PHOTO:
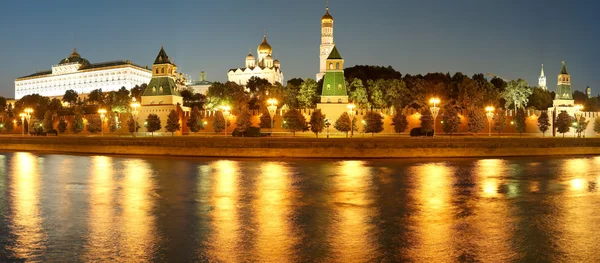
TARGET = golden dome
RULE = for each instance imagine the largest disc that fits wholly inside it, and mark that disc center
(327, 16)
(264, 47)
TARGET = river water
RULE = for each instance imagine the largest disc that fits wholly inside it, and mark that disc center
(66, 208)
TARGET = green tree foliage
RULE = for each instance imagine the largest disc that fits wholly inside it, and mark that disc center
(516, 94)
(592, 104)
(358, 94)
(540, 99)
(317, 122)
(395, 93)
(580, 97)
(219, 123)
(229, 93)
(308, 95)
(544, 123)
(137, 91)
(520, 119)
(62, 126)
(399, 122)
(294, 121)
(373, 123)
(96, 97)
(426, 121)
(451, 120)
(243, 122)
(470, 97)
(38, 103)
(597, 124)
(291, 93)
(94, 124)
(77, 125)
(376, 93)
(153, 123)
(265, 120)
(195, 123)
(476, 122)
(112, 123)
(499, 121)
(7, 124)
(173, 124)
(563, 122)
(132, 125)
(70, 97)
(47, 123)
(365, 73)
(55, 105)
(343, 123)
(581, 125)
(2, 103)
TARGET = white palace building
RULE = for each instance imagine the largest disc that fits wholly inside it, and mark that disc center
(78, 74)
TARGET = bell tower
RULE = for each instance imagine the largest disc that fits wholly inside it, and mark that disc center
(327, 43)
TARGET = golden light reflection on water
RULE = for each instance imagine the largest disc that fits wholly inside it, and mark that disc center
(102, 236)
(26, 222)
(225, 224)
(138, 233)
(351, 200)
(273, 207)
(488, 173)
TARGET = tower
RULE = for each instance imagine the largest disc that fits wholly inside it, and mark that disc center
(334, 84)
(327, 43)
(588, 92)
(162, 89)
(563, 90)
(542, 82)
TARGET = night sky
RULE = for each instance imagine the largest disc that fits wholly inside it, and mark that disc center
(505, 37)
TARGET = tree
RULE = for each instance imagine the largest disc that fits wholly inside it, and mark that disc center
(597, 124)
(70, 97)
(499, 121)
(516, 93)
(2, 103)
(137, 91)
(308, 93)
(265, 120)
(540, 99)
(399, 122)
(520, 121)
(7, 123)
(195, 123)
(243, 122)
(96, 97)
(55, 105)
(153, 123)
(77, 125)
(291, 93)
(47, 123)
(219, 122)
(476, 121)
(132, 125)
(343, 123)
(544, 123)
(173, 122)
(317, 122)
(563, 123)
(451, 120)
(358, 94)
(112, 123)
(294, 121)
(426, 122)
(373, 123)
(94, 124)
(62, 126)
(582, 124)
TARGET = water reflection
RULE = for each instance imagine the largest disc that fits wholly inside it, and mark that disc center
(225, 226)
(26, 223)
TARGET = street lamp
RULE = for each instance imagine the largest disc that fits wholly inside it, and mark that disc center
(28, 111)
(490, 115)
(327, 124)
(102, 113)
(578, 114)
(351, 113)
(226, 112)
(435, 110)
(272, 110)
(23, 115)
(134, 113)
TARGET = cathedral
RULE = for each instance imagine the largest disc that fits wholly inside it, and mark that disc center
(264, 66)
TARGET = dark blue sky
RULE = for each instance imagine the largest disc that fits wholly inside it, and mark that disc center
(510, 38)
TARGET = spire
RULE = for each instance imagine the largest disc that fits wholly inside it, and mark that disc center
(326, 5)
(542, 75)
(75, 42)
(564, 69)
(162, 57)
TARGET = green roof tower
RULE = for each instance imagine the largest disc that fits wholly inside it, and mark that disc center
(334, 84)
(563, 90)
(162, 88)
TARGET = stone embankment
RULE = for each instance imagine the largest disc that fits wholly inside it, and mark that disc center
(306, 147)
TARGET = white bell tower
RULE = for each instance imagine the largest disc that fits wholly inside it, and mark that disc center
(327, 43)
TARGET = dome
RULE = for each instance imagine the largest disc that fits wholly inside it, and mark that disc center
(264, 47)
(74, 58)
(269, 57)
(327, 16)
(250, 57)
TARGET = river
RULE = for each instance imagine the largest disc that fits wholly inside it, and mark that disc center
(70, 208)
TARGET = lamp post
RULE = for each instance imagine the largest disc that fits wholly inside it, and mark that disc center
(327, 124)
(351, 113)
(490, 115)
(435, 110)
(226, 113)
(272, 108)
(22, 115)
(134, 105)
(28, 111)
(578, 114)
(102, 113)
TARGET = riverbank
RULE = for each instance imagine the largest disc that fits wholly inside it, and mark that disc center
(307, 147)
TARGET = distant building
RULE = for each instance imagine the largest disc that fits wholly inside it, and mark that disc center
(201, 86)
(542, 81)
(327, 43)
(78, 74)
(588, 92)
(263, 67)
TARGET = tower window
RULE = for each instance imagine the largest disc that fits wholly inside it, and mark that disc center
(337, 65)
(162, 70)
(339, 100)
(330, 65)
(156, 71)
(154, 90)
